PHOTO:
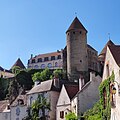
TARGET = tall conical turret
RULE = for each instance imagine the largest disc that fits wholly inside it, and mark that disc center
(77, 59)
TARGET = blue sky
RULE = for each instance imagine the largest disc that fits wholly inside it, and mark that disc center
(38, 26)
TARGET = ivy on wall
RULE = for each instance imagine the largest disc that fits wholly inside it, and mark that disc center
(102, 109)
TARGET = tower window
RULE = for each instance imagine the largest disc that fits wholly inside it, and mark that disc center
(80, 32)
(73, 32)
(80, 60)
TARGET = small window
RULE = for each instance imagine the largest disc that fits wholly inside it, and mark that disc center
(52, 57)
(39, 59)
(73, 32)
(80, 60)
(46, 59)
(80, 32)
(33, 60)
(59, 57)
(62, 114)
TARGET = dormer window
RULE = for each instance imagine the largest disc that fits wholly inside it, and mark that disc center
(46, 59)
(33, 60)
(59, 57)
(39, 59)
(52, 57)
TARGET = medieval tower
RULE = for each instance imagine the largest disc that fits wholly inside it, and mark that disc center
(77, 58)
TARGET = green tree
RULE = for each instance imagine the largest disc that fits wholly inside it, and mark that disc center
(24, 79)
(16, 70)
(13, 90)
(36, 76)
(71, 116)
(4, 83)
(61, 74)
(40, 104)
(42, 76)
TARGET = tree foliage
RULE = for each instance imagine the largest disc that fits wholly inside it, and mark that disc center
(71, 116)
(42, 76)
(16, 70)
(98, 112)
(61, 74)
(40, 104)
(4, 83)
(24, 79)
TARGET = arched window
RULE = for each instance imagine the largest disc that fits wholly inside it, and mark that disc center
(107, 70)
(105, 97)
(31, 100)
(49, 65)
(112, 95)
(56, 64)
(43, 66)
(36, 67)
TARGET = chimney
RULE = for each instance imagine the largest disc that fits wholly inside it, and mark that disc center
(81, 82)
(56, 82)
(31, 56)
(37, 82)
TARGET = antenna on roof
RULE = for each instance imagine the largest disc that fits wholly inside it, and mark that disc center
(76, 14)
(109, 36)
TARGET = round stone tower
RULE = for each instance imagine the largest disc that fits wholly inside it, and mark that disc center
(77, 59)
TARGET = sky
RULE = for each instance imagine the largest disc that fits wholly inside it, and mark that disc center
(39, 26)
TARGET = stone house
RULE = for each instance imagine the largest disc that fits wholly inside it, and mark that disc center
(5, 73)
(64, 102)
(4, 110)
(50, 90)
(18, 109)
(112, 64)
(52, 60)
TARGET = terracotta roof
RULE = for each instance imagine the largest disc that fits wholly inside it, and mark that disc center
(47, 54)
(110, 43)
(115, 50)
(20, 97)
(76, 24)
(3, 105)
(71, 90)
(19, 64)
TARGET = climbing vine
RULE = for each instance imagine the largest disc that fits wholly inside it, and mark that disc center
(99, 111)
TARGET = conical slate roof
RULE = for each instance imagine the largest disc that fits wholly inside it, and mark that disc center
(109, 43)
(76, 24)
(19, 64)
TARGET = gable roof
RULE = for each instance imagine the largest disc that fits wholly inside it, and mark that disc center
(43, 87)
(71, 90)
(115, 50)
(20, 97)
(110, 43)
(19, 63)
(1, 69)
(3, 105)
(76, 24)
